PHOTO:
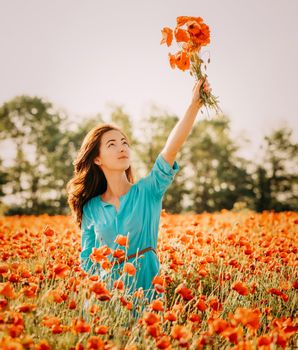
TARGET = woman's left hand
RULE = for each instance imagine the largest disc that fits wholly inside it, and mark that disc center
(196, 91)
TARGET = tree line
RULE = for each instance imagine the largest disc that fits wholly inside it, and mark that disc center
(212, 175)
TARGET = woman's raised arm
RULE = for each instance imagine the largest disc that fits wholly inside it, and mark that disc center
(183, 127)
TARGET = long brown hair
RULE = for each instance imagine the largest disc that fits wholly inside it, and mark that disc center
(89, 180)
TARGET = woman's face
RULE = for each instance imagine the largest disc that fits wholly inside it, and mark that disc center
(114, 147)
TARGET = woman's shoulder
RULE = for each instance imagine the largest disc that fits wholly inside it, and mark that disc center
(90, 203)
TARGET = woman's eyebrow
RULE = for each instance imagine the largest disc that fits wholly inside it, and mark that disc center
(123, 138)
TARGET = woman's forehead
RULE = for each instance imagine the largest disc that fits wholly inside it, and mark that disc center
(112, 134)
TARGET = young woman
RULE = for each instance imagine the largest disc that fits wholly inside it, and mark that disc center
(106, 201)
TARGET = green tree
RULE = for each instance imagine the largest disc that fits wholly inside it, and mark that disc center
(3, 181)
(35, 129)
(277, 177)
(211, 176)
(219, 177)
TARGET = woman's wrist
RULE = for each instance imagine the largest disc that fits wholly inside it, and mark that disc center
(196, 104)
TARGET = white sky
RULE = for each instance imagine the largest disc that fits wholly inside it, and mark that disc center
(83, 55)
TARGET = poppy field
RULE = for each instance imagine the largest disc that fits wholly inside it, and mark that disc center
(228, 280)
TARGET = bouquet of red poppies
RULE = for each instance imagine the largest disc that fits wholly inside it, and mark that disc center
(191, 34)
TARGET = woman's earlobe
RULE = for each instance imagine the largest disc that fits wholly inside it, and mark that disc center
(97, 162)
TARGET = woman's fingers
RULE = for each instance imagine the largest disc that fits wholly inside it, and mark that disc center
(198, 84)
(207, 86)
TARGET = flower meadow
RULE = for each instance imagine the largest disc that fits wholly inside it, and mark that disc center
(228, 280)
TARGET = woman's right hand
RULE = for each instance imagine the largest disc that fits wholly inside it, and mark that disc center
(196, 99)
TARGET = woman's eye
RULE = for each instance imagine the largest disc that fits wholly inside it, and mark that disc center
(114, 144)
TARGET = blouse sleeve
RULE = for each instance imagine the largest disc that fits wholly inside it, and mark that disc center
(87, 241)
(161, 176)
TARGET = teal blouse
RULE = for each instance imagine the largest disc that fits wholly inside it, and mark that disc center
(138, 218)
